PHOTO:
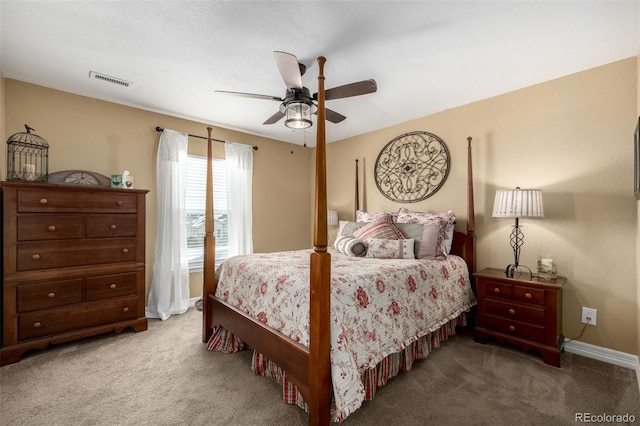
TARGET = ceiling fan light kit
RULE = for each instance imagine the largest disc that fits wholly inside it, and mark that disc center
(298, 116)
(298, 103)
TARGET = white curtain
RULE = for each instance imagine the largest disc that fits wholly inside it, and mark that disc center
(239, 159)
(169, 293)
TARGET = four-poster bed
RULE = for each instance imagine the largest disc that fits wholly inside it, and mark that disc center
(307, 358)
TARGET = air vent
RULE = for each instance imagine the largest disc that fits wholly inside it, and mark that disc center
(108, 79)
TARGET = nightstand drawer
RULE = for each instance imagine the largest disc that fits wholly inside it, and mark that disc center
(515, 312)
(528, 295)
(516, 329)
(497, 289)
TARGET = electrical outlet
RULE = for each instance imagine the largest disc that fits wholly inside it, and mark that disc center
(589, 315)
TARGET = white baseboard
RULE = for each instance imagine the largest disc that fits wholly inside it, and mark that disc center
(609, 356)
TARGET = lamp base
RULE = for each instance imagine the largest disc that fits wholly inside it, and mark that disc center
(510, 270)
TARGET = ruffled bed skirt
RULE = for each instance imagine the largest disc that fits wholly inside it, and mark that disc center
(391, 366)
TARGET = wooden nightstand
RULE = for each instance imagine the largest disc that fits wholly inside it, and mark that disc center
(520, 311)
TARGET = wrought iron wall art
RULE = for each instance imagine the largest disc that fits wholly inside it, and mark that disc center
(412, 167)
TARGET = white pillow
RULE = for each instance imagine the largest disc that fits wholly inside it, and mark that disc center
(390, 249)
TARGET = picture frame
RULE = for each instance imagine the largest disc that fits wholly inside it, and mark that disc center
(636, 161)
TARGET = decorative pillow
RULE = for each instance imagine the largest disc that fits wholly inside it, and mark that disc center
(381, 228)
(346, 228)
(445, 220)
(350, 246)
(370, 217)
(390, 249)
(428, 239)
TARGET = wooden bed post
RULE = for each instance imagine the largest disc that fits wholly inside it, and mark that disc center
(209, 284)
(357, 200)
(471, 219)
(320, 287)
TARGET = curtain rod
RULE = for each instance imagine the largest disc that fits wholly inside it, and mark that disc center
(160, 129)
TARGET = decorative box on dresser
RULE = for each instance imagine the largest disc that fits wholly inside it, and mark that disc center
(73, 264)
(522, 311)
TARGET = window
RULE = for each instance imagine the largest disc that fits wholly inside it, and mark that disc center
(195, 206)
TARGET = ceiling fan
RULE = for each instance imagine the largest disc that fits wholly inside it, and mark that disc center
(298, 104)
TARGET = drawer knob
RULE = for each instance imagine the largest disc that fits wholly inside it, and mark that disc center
(125, 309)
(118, 203)
(51, 295)
(113, 227)
(36, 256)
(113, 285)
(43, 201)
(125, 251)
(512, 311)
(51, 228)
(528, 295)
(37, 324)
(512, 328)
(496, 290)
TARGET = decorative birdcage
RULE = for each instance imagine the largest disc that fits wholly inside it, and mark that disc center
(27, 157)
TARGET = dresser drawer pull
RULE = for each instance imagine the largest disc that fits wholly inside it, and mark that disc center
(512, 311)
(118, 203)
(496, 290)
(125, 309)
(512, 328)
(37, 324)
(36, 256)
(51, 295)
(44, 201)
(113, 227)
(528, 295)
(125, 251)
(51, 228)
(113, 286)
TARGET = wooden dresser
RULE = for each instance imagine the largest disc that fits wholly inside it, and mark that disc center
(73, 264)
(521, 311)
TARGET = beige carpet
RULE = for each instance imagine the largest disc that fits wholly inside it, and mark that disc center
(164, 376)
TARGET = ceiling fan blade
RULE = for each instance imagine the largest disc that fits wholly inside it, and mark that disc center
(252, 95)
(353, 89)
(289, 69)
(333, 116)
(274, 118)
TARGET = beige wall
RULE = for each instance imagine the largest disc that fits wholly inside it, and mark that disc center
(89, 134)
(571, 138)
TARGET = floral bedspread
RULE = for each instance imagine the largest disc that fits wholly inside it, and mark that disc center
(378, 306)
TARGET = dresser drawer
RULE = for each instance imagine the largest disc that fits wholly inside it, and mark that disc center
(498, 289)
(60, 254)
(515, 312)
(100, 226)
(516, 328)
(528, 295)
(44, 200)
(48, 295)
(58, 320)
(49, 227)
(108, 286)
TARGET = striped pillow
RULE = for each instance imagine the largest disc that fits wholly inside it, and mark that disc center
(383, 228)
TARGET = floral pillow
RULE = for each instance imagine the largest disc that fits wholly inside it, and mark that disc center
(390, 249)
(381, 228)
(362, 216)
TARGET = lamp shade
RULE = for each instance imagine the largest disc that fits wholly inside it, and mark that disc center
(518, 203)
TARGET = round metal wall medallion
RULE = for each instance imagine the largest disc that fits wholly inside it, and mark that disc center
(412, 167)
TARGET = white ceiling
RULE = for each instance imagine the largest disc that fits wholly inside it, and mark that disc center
(426, 56)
